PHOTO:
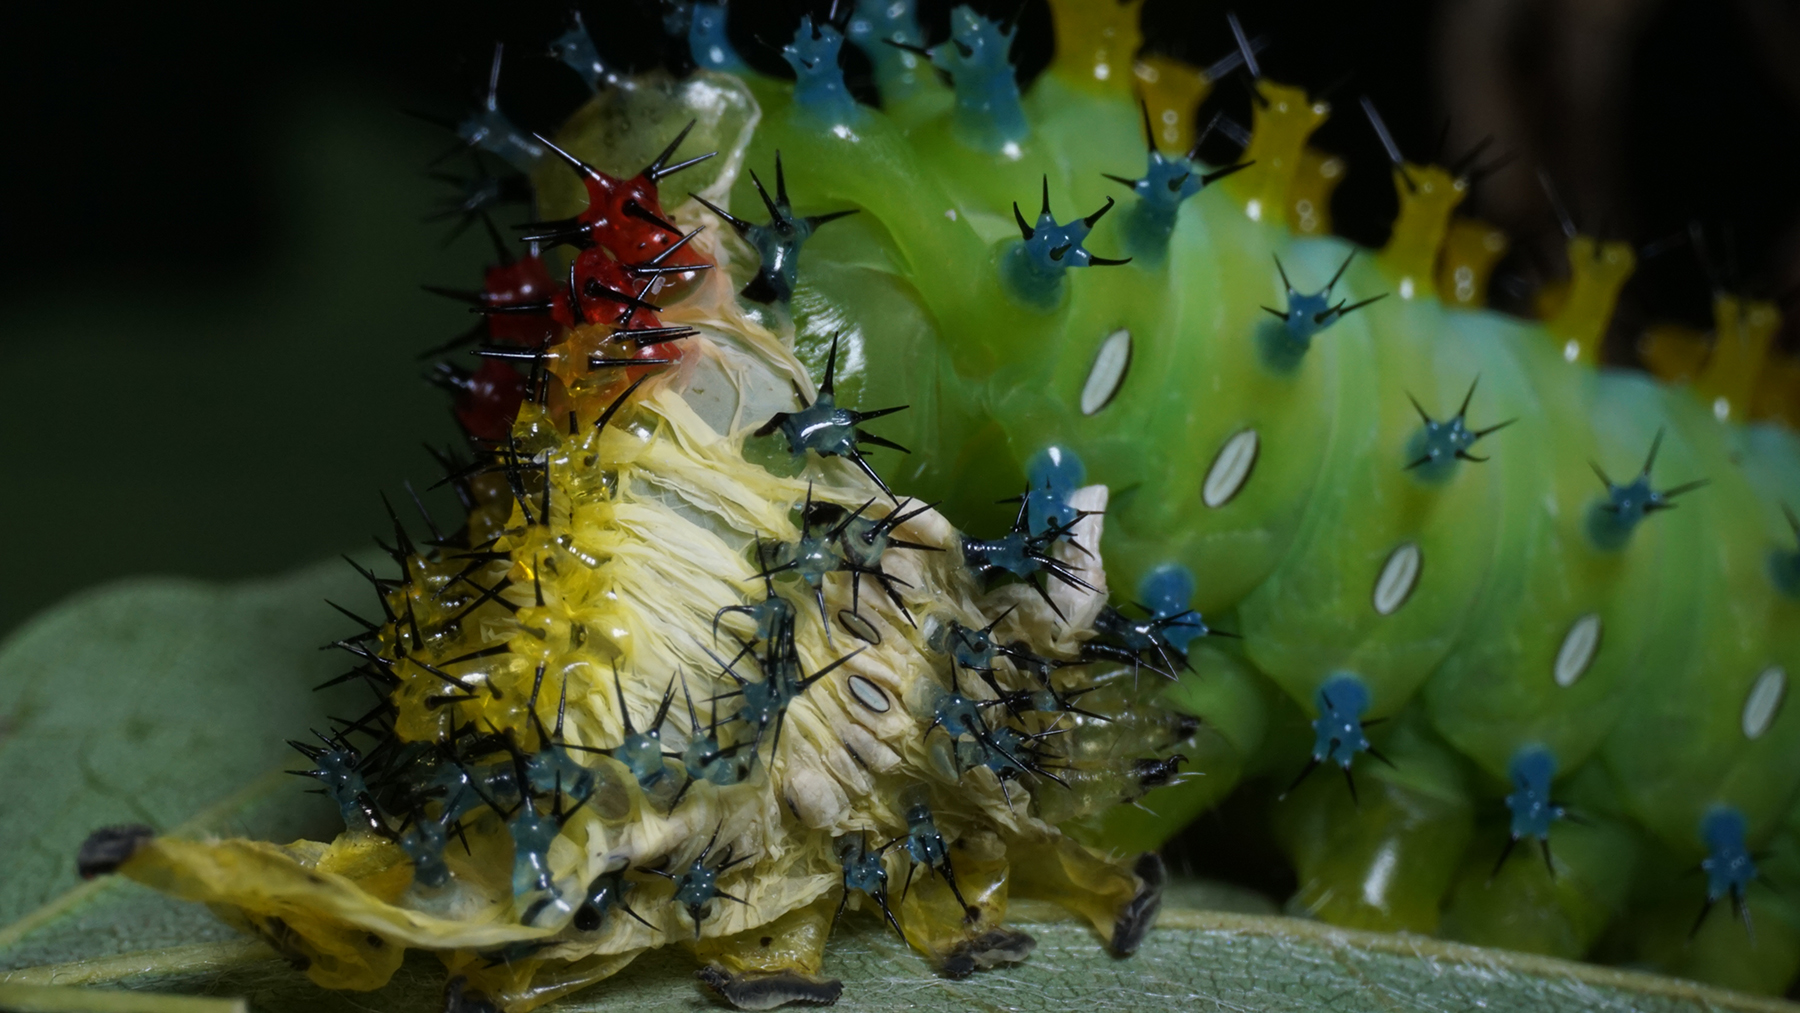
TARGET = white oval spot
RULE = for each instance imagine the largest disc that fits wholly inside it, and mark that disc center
(1764, 701)
(858, 627)
(868, 694)
(1578, 648)
(1230, 469)
(1399, 575)
(1107, 374)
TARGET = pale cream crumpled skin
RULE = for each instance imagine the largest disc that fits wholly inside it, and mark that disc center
(653, 528)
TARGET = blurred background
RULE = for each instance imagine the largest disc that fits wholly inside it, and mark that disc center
(214, 220)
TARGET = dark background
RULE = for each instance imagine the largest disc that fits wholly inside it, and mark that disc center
(212, 220)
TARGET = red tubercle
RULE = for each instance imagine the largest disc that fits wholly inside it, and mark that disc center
(625, 216)
(486, 401)
(526, 279)
(523, 281)
(609, 294)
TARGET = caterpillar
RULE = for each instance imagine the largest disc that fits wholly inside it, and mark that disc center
(733, 639)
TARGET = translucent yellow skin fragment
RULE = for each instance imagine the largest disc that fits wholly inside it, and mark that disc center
(1471, 250)
(1309, 195)
(1742, 331)
(521, 985)
(1095, 42)
(1428, 194)
(1078, 879)
(934, 923)
(1171, 91)
(795, 942)
(1281, 122)
(1596, 273)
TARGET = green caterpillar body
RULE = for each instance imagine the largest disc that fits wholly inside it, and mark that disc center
(1493, 604)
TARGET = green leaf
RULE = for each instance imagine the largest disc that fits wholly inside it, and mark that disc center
(167, 702)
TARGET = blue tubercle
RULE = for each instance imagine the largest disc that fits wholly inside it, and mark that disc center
(973, 649)
(1054, 473)
(898, 69)
(956, 713)
(1167, 181)
(1728, 864)
(606, 892)
(977, 58)
(532, 832)
(925, 845)
(698, 885)
(337, 770)
(555, 769)
(864, 871)
(704, 25)
(818, 79)
(1532, 769)
(1611, 521)
(766, 701)
(1033, 265)
(1166, 592)
(575, 48)
(1024, 555)
(1306, 316)
(1784, 564)
(1434, 449)
(641, 752)
(777, 243)
(703, 758)
(1338, 731)
(338, 767)
(488, 128)
(830, 431)
(423, 843)
(1008, 752)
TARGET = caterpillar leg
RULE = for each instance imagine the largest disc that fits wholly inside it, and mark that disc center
(1382, 860)
(497, 982)
(773, 964)
(959, 928)
(1120, 899)
(1519, 906)
(1662, 934)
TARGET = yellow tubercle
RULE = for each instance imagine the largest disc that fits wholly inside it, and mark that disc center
(1095, 42)
(1596, 273)
(1471, 250)
(1732, 369)
(1309, 195)
(1742, 332)
(1171, 91)
(1282, 121)
(1777, 396)
(1672, 352)
(1428, 195)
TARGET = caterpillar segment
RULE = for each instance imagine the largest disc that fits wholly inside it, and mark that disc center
(1207, 511)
